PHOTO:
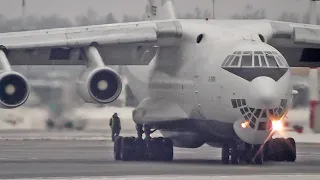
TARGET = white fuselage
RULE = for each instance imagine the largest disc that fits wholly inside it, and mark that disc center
(188, 83)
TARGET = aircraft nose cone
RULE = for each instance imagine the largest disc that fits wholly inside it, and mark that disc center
(264, 92)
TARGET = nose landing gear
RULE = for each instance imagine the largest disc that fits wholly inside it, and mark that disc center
(242, 153)
(278, 149)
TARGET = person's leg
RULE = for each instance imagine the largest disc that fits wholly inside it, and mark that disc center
(117, 133)
(112, 134)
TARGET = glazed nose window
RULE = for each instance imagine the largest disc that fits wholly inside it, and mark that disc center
(253, 59)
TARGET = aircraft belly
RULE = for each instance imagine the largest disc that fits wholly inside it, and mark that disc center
(191, 133)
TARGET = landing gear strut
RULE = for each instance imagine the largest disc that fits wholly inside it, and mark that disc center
(278, 149)
(139, 149)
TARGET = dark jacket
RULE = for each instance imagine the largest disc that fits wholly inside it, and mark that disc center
(115, 123)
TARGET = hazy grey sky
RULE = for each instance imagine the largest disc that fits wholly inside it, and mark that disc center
(72, 8)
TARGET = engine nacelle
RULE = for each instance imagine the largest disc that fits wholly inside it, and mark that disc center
(14, 90)
(100, 85)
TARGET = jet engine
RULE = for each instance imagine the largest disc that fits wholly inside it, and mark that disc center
(14, 90)
(100, 85)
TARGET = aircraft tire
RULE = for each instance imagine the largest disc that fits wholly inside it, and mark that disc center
(127, 149)
(266, 151)
(257, 155)
(156, 149)
(234, 155)
(282, 149)
(139, 149)
(168, 149)
(277, 150)
(225, 154)
(291, 150)
(117, 148)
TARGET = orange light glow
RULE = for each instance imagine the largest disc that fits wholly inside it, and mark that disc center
(245, 124)
(277, 125)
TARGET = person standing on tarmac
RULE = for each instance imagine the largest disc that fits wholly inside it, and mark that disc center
(115, 126)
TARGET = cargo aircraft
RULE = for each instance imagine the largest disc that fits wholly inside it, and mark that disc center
(224, 83)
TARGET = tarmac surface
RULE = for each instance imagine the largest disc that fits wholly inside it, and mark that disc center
(43, 157)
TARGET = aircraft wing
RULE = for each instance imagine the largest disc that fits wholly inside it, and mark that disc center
(299, 43)
(118, 44)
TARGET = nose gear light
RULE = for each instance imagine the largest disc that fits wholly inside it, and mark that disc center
(277, 125)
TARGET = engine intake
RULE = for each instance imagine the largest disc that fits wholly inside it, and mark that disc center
(14, 90)
(100, 85)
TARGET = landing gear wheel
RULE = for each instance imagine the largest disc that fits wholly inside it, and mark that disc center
(139, 149)
(281, 149)
(127, 149)
(225, 154)
(258, 155)
(117, 148)
(266, 151)
(234, 155)
(291, 150)
(168, 149)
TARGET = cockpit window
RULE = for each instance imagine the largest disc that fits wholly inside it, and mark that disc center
(246, 61)
(258, 52)
(270, 59)
(235, 62)
(256, 61)
(226, 60)
(229, 60)
(263, 61)
(279, 61)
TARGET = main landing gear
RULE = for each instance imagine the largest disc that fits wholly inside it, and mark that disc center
(139, 149)
(278, 149)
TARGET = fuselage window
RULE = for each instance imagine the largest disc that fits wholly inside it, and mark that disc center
(257, 113)
(271, 61)
(263, 61)
(251, 125)
(256, 61)
(264, 114)
(246, 60)
(253, 119)
(235, 62)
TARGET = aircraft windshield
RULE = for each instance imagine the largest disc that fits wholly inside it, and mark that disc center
(270, 59)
